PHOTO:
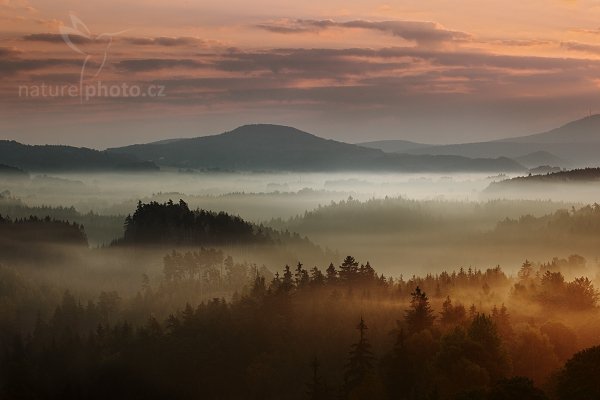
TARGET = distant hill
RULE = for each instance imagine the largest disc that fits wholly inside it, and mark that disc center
(394, 146)
(575, 175)
(585, 175)
(99, 229)
(174, 223)
(577, 143)
(282, 148)
(540, 158)
(569, 186)
(585, 130)
(67, 158)
(39, 240)
(7, 171)
(544, 169)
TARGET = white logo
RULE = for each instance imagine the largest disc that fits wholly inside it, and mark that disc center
(80, 29)
(75, 36)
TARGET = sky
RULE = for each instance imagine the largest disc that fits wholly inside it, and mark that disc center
(108, 73)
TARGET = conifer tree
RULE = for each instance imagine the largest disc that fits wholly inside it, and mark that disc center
(287, 282)
(317, 389)
(526, 271)
(301, 276)
(332, 274)
(361, 360)
(349, 269)
(316, 276)
(420, 315)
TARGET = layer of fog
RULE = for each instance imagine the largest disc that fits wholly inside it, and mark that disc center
(263, 198)
(254, 196)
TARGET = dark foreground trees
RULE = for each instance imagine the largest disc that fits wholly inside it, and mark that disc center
(580, 377)
(420, 315)
(260, 344)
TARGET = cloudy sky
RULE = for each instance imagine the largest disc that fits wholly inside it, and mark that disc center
(433, 71)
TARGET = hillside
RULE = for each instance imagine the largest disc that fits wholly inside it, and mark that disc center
(570, 186)
(576, 144)
(394, 146)
(585, 130)
(66, 158)
(539, 158)
(7, 171)
(175, 224)
(38, 240)
(585, 175)
(281, 148)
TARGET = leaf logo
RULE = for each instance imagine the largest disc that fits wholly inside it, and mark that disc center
(79, 29)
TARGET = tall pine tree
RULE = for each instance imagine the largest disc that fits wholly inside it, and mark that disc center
(361, 360)
(420, 315)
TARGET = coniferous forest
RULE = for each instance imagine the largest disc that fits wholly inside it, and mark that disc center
(210, 325)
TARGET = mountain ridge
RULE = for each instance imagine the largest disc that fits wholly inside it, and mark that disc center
(396, 146)
(576, 142)
(59, 158)
(577, 131)
(268, 147)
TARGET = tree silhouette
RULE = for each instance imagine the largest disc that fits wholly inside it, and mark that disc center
(516, 388)
(420, 315)
(580, 378)
(301, 276)
(287, 282)
(175, 223)
(349, 269)
(452, 314)
(361, 359)
(492, 355)
(316, 277)
(332, 274)
(317, 389)
(526, 271)
(398, 368)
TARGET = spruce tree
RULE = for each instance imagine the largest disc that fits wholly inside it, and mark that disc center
(287, 283)
(349, 269)
(360, 363)
(317, 389)
(316, 277)
(420, 315)
(332, 274)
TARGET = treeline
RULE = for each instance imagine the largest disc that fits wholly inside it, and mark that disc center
(100, 229)
(154, 227)
(175, 223)
(574, 175)
(23, 236)
(402, 215)
(584, 221)
(8, 172)
(293, 336)
(32, 239)
(172, 223)
(195, 277)
(185, 226)
(549, 287)
(427, 234)
(67, 158)
(41, 230)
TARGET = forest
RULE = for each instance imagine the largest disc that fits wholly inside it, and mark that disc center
(442, 299)
(342, 331)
